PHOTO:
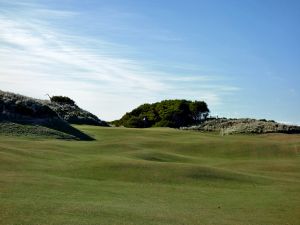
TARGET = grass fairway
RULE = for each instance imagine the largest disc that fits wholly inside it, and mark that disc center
(150, 176)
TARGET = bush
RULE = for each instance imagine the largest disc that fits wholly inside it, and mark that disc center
(62, 100)
(167, 113)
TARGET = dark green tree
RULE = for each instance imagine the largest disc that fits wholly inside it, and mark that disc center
(199, 111)
(167, 113)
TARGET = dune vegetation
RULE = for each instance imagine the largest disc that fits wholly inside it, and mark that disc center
(226, 126)
(150, 176)
(22, 115)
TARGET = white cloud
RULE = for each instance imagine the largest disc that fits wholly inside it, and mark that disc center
(37, 58)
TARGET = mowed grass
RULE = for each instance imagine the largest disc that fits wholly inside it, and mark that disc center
(150, 176)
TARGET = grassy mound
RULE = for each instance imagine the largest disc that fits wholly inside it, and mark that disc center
(54, 128)
(29, 130)
(150, 176)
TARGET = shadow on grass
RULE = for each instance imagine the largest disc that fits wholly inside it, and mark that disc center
(64, 127)
(54, 124)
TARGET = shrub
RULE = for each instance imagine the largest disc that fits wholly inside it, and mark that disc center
(62, 100)
(167, 113)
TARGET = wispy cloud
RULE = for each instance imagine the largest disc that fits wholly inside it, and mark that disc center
(37, 58)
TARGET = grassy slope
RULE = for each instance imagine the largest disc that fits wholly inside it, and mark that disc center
(52, 129)
(150, 176)
(16, 129)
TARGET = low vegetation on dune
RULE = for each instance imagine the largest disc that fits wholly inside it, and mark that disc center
(67, 109)
(15, 106)
(243, 126)
(167, 113)
(150, 176)
(21, 114)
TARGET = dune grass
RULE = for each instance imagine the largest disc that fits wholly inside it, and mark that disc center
(150, 176)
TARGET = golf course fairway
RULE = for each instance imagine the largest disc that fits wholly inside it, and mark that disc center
(150, 176)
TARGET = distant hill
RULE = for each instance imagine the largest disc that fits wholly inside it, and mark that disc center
(20, 114)
(167, 113)
(244, 126)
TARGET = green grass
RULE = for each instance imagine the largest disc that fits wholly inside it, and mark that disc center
(55, 128)
(150, 176)
(16, 129)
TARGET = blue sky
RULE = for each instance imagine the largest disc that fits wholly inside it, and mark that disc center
(241, 57)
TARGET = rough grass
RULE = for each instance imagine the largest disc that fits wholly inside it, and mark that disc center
(150, 176)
